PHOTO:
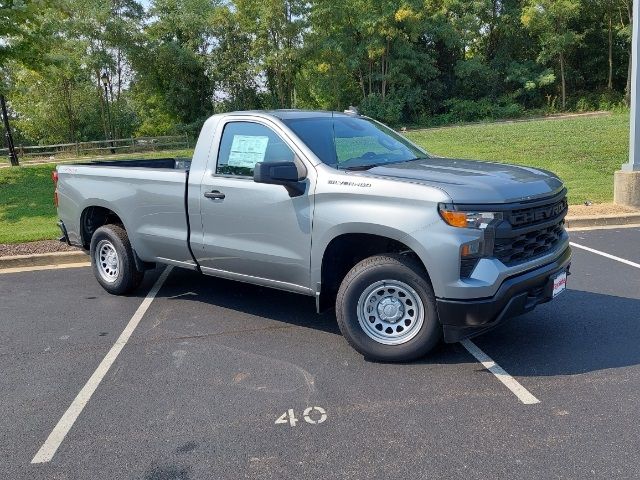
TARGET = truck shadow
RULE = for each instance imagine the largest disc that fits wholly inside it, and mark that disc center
(268, 303)
(579, 332)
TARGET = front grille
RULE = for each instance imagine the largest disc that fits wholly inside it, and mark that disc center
(520, 248)
(530, 232)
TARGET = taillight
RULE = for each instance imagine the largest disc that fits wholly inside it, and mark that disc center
(54, 177)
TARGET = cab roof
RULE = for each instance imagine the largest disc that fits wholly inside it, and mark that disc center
(287, 114)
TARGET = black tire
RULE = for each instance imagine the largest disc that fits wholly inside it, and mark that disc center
(360, 280)
(125, 278)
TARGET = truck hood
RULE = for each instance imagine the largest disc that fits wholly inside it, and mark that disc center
(472, 181)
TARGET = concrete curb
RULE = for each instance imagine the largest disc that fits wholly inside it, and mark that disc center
(41, 259)
(574, 222)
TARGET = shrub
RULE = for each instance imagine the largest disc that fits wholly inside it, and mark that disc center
(388, 110)
(584, 105)
(611, 100)
(592, 101)
(462, 110)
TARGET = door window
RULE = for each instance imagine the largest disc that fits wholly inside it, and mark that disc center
(244, 144)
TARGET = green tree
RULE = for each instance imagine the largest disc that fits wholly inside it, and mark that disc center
(57, 103)
(107, 31)
(232, 67)
(24, 34)
(273, 33)
(369, 53)
(170, 64)
(552, 21)
(170, 59)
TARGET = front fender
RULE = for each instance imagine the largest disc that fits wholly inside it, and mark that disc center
(320, 246)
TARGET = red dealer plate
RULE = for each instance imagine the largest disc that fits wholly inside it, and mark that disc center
(559, 283)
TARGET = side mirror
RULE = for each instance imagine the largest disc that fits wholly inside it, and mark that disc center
(288, 174)
(277, 173)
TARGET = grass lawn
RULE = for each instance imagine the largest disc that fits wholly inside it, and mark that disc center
(26, 204)
(26, 200)
(583, 151)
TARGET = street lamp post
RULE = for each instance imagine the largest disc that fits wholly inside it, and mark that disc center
(104, 78)
(13, 157)
(626, 185)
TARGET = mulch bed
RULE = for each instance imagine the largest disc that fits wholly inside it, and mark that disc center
(43, 246)
(599, 209)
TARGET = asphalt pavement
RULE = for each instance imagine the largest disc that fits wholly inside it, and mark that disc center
(223, 380)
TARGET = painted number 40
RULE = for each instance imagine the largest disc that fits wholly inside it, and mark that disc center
(312, 415)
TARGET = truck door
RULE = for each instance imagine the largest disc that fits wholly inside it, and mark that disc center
(253, 229)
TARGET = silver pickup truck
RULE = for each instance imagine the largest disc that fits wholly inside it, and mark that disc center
(410, 248)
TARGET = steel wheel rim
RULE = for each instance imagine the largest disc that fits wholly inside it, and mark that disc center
(390, 312)
(107, 261)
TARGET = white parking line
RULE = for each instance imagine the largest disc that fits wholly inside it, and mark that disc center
(511, 383)
(607, 255)
(59, 432)
(37, 268)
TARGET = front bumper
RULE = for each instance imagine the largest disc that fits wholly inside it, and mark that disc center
(467, 318)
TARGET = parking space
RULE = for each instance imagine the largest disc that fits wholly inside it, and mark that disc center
(217, 377)
(621, 242)
(55, 327)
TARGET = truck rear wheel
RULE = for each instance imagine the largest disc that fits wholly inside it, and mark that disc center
(386, 309)
(112, 260)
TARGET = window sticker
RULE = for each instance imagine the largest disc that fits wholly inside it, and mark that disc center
(247, 150)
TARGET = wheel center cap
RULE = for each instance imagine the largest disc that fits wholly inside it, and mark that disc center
(390, 309)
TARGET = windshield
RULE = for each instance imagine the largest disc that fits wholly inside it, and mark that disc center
(353, 143)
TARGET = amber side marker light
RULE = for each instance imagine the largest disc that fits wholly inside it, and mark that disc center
(470, 249)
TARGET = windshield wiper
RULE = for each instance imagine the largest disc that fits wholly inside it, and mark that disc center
(410, 160)
(383, 164)
(362, 167)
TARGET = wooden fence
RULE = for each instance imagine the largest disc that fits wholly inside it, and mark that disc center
(98, 147)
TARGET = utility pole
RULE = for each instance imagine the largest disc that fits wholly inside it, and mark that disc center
(626, 185)
(13, 157)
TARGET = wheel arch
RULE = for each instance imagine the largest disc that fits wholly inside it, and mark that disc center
(94, 216)
(344, 250)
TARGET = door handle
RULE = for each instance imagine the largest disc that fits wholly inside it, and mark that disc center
(214, 195)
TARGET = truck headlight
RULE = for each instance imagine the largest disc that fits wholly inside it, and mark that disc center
(457, 218)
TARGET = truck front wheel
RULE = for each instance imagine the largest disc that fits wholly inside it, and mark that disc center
(112, 260)
(386, 309)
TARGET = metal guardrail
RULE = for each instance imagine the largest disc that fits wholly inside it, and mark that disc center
(107, 147)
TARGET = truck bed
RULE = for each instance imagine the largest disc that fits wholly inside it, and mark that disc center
(147, 195)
